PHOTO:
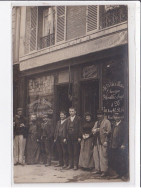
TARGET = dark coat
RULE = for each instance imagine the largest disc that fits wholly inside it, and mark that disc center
(47, 130)
(20, 130)
(119, 135)
(62, 128)
(76, 131)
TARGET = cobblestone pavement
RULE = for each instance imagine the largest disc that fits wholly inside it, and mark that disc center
(52, 174)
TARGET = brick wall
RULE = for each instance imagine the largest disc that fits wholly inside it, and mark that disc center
(75, 21)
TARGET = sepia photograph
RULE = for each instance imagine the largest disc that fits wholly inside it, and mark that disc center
(70, 93)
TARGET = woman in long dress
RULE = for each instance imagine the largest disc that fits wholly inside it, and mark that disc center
(33, 145)
(86, 151)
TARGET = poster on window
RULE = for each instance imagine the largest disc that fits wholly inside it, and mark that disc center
(40, 92)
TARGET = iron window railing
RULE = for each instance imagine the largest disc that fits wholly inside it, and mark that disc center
(114, 16)
(47, 41)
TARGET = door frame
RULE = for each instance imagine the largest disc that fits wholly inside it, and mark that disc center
(84, 82)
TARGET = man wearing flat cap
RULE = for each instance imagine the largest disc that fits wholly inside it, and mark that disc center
(20, 135)
(101, 132)
(119, 147)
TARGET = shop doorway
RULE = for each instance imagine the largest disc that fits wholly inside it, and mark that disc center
(90, 97)
(63, 101)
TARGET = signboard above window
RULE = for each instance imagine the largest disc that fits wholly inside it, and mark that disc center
(90, 71)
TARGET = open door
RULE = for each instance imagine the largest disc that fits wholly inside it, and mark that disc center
(90, 97)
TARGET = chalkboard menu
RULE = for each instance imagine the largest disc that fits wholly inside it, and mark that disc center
(113, 88)
(113, 98)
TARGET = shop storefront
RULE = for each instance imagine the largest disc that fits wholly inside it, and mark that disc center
(88, 86)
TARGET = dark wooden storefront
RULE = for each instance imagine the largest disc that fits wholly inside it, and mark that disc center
(85, 85)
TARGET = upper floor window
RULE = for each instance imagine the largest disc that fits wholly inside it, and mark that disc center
(48, 28)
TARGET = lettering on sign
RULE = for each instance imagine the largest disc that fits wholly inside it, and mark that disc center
(113, 98)
(90, 72)
(40, 92)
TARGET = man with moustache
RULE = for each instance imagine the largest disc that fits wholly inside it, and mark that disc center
(101, 132)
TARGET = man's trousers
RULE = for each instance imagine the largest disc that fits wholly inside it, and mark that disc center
(62, 151)
(19, 149)
(100, 156)
(74, 151)
(46, 148)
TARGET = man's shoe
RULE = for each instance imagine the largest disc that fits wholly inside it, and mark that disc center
(115, 176)
(75, 168)
(58, 165)
(64, 167)
(46, 165)
(103, 174)
(16, 164)
(97, 172)
(69, 167)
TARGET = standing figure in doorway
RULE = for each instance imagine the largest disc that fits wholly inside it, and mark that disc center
(47, 138)
(60, 138)
(73, 138)
(119, 148)
(86, 152)
(101, 132)
(20, 135)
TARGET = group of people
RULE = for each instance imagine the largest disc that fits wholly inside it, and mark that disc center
(98, 146)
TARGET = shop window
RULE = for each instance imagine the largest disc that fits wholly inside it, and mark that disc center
(40, 96)
(48, 27)
(113, 88)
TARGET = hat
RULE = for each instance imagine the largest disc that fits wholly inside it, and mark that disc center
(88, 114)
(19, 109)
(100, 112)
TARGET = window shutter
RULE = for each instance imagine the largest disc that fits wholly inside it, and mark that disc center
(92, 18)
(60, 31)
(27, 31)
(33, 33)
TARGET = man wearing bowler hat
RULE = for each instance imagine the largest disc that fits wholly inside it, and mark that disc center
(20, 135)
(119, 147)
(101, 132)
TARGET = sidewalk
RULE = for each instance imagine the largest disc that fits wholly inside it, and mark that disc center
(42, 174)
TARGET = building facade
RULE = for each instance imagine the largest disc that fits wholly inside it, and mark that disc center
(71, 56)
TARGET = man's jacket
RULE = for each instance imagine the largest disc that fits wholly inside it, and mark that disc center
(18, 130)
(74, 131)
(104, 131)
(61, 130)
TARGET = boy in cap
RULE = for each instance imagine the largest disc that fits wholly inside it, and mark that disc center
(101, 132)
(119, 147)
(47, 138)
(20, 135)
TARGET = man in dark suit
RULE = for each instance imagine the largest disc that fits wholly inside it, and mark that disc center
(46, 138)
(60, 138)
(73, 138)
(119, 147)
